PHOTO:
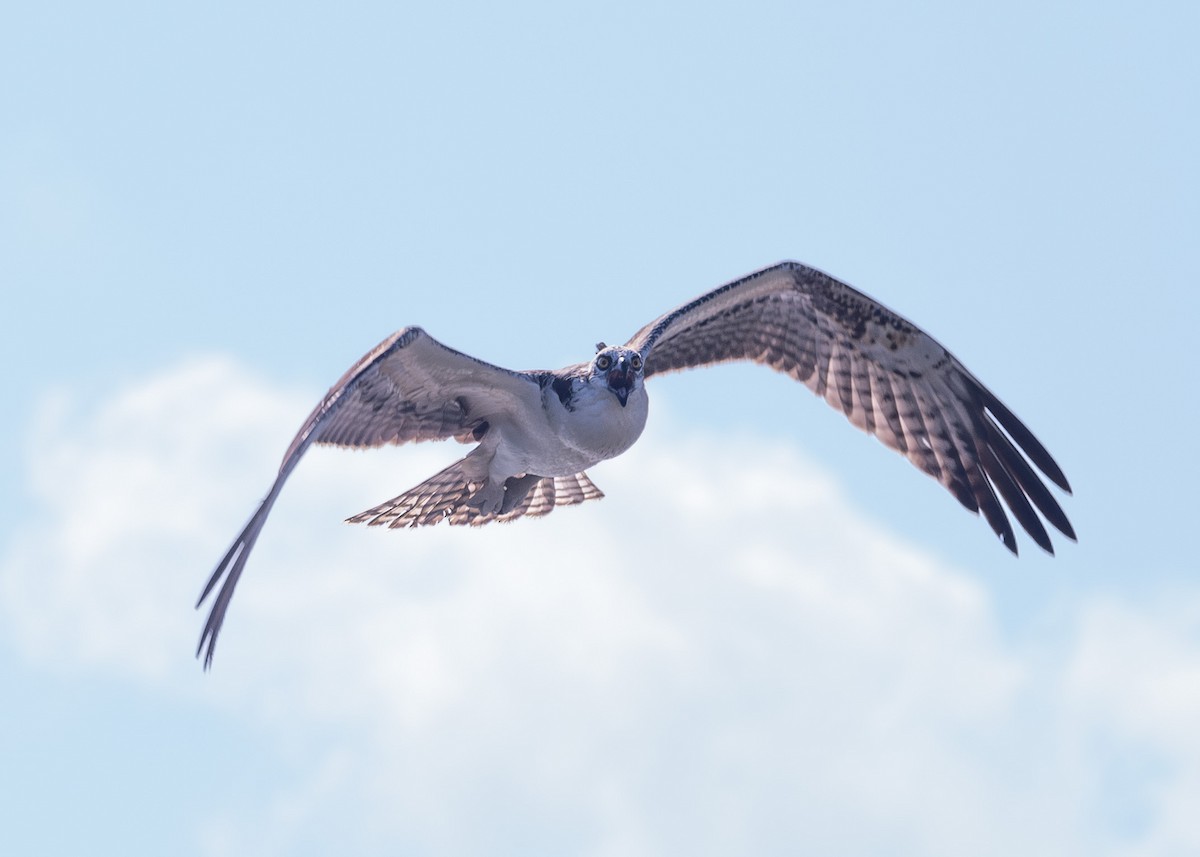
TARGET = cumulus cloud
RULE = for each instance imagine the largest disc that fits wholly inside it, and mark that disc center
(720, 657)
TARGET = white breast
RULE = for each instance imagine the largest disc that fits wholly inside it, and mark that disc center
(561, 442)
(599, 427)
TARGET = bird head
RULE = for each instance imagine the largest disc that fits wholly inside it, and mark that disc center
(620, 368)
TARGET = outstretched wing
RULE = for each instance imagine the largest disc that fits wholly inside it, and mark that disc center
(889, 377)
(410, 387)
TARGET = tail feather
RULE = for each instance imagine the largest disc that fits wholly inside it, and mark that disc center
(426, 504)
(543, 497)
(570, 490)
(446, 496)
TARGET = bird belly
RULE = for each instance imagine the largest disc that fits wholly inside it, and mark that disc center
(544, 459)
(561, 442)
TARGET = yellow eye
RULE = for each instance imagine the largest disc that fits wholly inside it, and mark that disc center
(636, 361)
(603, 362)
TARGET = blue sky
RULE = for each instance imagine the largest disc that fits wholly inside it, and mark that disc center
(772, 635)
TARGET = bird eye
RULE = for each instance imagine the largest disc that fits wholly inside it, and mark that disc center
(603, 362)
(636, 361)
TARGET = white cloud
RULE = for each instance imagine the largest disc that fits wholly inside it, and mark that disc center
(126, 503)
(720, 657)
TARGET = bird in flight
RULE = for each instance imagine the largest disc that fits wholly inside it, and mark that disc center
(537, 432)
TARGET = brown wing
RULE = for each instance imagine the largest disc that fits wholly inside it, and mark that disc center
(889, 377)
(410, 387)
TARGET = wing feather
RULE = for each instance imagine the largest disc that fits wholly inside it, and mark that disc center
(408, 388)
(891, 430)
(919, 450)
(1016, 499)
(864, 408)
(1034, 489)
(887, 376)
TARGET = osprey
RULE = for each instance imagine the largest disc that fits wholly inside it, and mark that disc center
(537, 432)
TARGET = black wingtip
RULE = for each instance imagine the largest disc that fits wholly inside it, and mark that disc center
(230, 568)
(1025, 439)
(208, 655)
(208, 641)
(226, 562)
(212, 628)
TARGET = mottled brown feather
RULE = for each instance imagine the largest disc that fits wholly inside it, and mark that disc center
(887, 376)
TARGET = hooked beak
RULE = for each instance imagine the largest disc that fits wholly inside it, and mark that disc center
(620, 381)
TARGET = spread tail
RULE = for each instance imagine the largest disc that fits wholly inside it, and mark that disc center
(454, 496)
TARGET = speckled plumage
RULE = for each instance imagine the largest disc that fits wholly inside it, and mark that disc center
(538, 431)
